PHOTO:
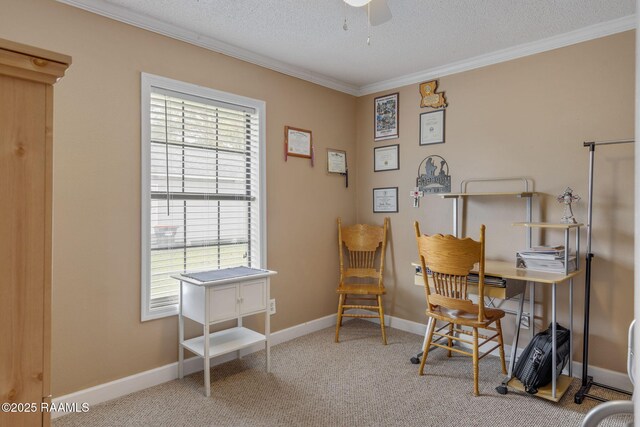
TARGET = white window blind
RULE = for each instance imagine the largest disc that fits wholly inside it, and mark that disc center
(204, 189)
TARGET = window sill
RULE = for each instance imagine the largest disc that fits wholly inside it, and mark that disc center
(159, 313)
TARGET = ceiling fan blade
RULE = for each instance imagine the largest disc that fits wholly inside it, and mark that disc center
(379, 13)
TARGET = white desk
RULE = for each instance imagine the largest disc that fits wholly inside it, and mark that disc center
(507, 270)
(218, 300)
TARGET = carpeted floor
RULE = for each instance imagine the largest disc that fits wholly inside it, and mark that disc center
(358, 382)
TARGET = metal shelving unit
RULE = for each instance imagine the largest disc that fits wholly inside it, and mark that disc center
(526, 193)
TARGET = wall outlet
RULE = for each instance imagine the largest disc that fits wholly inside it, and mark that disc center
(272, 306)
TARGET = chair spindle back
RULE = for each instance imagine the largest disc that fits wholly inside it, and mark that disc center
(363, 244)
(449, 260)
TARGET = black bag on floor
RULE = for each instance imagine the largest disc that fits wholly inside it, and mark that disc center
(534, 367)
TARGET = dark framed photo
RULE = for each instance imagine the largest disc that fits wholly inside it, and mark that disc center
(385, 199)
(432, 127)
(386, 158)
(386, 117)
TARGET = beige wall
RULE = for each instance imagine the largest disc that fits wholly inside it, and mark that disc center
(97, 333)
(526, 117)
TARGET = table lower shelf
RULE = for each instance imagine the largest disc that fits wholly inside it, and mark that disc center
(225, 341)
(562, 385)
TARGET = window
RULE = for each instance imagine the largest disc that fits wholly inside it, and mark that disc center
(202, 186)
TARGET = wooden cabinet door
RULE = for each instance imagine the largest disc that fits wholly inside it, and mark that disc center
(23, 246)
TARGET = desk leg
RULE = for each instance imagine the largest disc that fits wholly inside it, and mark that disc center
(553, 341)
(571, 327)
(180, 338)
(455, 220)
(516, 335)
(532, 310)
(502, 389)
(207, 376)
(416, 359)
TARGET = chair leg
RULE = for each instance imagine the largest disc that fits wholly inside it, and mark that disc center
(501, 342)
(381, 314)
(339, 319)
(427, 344)
(476, 390)
(344, 302)
(450, 340)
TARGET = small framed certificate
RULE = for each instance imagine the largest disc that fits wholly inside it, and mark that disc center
(432, 127)
(336, 161)
(386, 158)
(385, 199)
(298, 142)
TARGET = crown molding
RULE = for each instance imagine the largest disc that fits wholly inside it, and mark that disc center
(561, 40)
(138, 20)
(566, 39)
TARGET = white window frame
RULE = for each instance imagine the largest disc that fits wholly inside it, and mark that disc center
(147, 82)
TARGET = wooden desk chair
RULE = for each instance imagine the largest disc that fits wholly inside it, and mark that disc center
(360, 246)
(449, 260)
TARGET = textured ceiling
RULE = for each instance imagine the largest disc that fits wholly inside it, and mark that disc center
(422, 35)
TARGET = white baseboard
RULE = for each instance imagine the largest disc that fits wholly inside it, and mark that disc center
(303, 329)
(601, 375)
(605, 376)
(121, 387)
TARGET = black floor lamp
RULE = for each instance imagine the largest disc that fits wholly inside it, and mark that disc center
(587, 381)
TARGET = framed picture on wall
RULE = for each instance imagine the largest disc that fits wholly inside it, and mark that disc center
(386, 117)
(385, 199)
(336, 161)
(386, 158)
(297, 142)
(432, 127)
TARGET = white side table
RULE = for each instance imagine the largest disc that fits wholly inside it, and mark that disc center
(217, 296)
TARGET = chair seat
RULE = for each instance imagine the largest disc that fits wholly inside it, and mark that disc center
(361, 289)
(466, 318)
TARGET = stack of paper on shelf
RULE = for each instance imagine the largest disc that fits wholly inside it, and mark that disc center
(488, 280)
(545, 258)
(473, 278)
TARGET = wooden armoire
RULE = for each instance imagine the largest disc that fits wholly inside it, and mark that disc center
(27, 75)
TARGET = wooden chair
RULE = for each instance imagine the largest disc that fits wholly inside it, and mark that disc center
(362, 248)
(448, 261)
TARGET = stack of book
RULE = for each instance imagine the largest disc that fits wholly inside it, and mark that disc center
(473, 278)
(498, 282)
(545, 258)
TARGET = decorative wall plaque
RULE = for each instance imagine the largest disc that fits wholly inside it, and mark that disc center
(433, 176)
(429, 96)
